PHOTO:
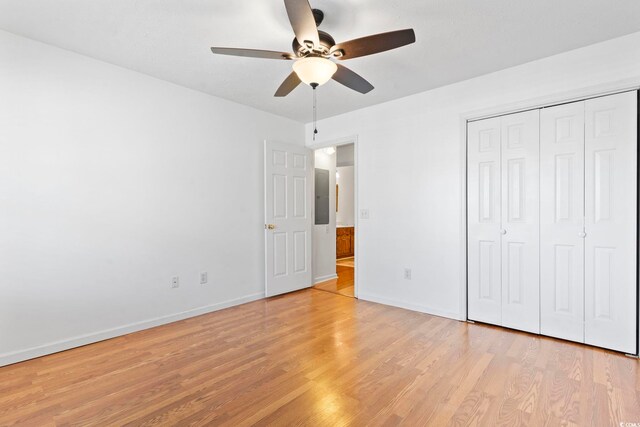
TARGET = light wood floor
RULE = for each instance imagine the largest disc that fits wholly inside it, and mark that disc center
(316, 358)
(347, 262)
(344, 284)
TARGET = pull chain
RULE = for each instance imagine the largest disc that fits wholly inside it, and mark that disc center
(315, 111)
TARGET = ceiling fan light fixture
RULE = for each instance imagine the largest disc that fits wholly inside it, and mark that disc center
(315, 70)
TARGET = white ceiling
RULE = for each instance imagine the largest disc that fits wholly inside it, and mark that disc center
(456, 40)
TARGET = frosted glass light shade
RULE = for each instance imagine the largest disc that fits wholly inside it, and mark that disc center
(314, 70)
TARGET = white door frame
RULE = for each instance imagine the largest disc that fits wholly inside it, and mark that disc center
(353, 139)
(509, 108)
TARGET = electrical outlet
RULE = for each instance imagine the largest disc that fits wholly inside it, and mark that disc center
(407, 274)
(204, 278)
(175, 282)
(364, 213)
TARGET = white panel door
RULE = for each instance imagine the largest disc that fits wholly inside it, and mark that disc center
(483, 214)
(610, 216)
(562, 221)
(520, 221)
(288, 176)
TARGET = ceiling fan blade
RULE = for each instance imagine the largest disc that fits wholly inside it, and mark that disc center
(251, 53)
(302, 21)
(352, 80)
(374, 44)
(290, 83)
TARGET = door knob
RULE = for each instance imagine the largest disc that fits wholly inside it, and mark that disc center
(503, 231)
(270, 226)
(582, 234)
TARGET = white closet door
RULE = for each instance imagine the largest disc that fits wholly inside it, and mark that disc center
(610, 205)
(562, 221)
(483, 213)
(520, 221)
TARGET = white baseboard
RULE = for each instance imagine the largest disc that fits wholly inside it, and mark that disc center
(55, 347)
(408, 305)
(324, 278)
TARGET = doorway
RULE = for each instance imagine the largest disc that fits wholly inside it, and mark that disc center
(335, 219)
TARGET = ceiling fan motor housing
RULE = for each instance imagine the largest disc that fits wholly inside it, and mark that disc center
(326, 43)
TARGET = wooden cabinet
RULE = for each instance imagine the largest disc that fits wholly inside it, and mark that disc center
(345, 238)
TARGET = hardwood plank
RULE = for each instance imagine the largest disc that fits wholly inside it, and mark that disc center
(343, 285)
(317, 358)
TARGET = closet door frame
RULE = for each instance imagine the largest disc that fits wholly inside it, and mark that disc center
(583, 94)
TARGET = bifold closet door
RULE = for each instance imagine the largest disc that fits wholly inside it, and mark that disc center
(503, 223)
(610, 221)
(483, 215)
(552, 221)
(520, 221)
(562, 221)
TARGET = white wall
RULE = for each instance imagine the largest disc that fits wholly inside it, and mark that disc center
(345, 155)
(411, 169)
(324, 236)
(111, 182)
(345, 182)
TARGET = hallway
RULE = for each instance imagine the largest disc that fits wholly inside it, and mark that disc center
(344, 284)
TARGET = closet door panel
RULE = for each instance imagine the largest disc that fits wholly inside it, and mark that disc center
(483, 215)
(610, 221)
(520, 221)
(562, 221)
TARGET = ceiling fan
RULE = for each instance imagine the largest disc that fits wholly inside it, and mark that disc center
(312, 50)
